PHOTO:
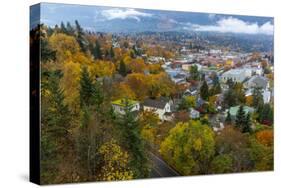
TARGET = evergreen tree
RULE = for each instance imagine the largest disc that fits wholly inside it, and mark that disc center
(111, 53)
(69, 28)
(216, 89)
(90, 93)
(266, 114)
(55, 137)
(63, 28)
(56, 29)
(131, 138)
(86, 88)
(47, 54)
(228, 118)
(246, 127)
(216, 85)
(97, 50)
(122, 68)
(240, 118)
(204, 91)
(230, 98)
(59, 116)
(80, 37)
(257, 97)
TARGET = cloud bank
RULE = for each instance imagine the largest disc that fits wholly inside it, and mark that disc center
(111, 14)
(234, 25)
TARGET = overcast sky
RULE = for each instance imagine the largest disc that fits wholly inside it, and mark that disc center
(110, 19)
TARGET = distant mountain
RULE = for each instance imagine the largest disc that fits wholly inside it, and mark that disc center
(129, 20)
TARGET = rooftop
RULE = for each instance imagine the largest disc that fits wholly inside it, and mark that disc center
(122, 102)
(233, 110)
(156, 103)
(258, 81)
(234, 72)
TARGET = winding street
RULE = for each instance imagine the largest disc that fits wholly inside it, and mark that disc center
(161, 168)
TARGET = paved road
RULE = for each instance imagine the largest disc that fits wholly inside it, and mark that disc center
(160, 168)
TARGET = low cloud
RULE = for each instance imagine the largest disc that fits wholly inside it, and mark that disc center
(234, 25)
(111, 14)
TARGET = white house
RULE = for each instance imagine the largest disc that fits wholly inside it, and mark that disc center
(119, 105)
(194, 114)
(266, 96)
(161, 106)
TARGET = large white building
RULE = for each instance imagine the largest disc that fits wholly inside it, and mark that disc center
(236, 75)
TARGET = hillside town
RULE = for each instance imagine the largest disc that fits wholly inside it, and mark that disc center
(122, 104)
(220, 70)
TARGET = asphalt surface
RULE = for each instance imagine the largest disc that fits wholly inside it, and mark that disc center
(160, 168)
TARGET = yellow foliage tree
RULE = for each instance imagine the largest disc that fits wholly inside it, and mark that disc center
(137, 82)
(70, 84)
(189, 147)
(249, 100)
(122, 90)
(102, 68)
(64, 45)
(137, 65)
(149, 121)
(115, 162)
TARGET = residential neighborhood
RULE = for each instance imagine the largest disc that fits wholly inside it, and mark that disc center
(135, 93)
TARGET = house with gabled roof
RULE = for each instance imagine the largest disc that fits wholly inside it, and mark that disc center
(257, 81)
(120, 105)
(161, 106)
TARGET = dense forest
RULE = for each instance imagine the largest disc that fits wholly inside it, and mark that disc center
(83, 139)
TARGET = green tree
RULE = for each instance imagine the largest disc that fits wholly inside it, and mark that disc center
(122, 68)
(216, 89)
(97, 50)
(239, 92)
(240, 117)
(261, 155)
(266, 114)
(189, 147)
(47, 53)
(204, 90)
(69, 28)
(228, 119)
(257, 97)
(222, 164)
(187, 102)
(90, 93)
(194, 73)
(246, 127)
(55, 135)
(63, 28)
(83, 43)
(229, 98)
(133, 143)
(111, 53)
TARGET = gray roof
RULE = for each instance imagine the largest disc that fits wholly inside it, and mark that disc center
(258, 81)
(156, 103)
